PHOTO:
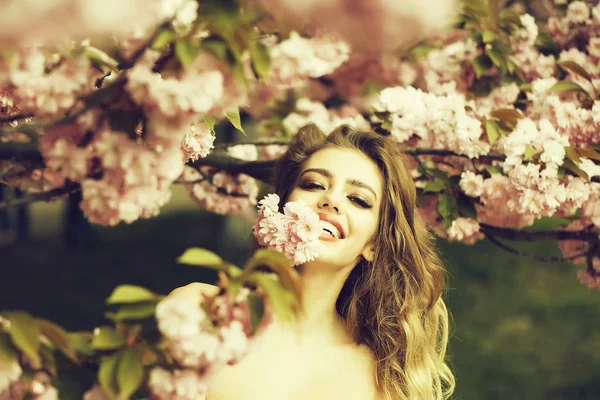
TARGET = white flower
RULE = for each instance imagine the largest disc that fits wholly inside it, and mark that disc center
(471, 183)
(235, 341)
(589, 167)
(9, 372)
(578, 12)
(180, 317)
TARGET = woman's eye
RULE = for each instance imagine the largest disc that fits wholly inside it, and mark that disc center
(311, 185)
(360, 202)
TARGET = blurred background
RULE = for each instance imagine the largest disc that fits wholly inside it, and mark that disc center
(520, 329)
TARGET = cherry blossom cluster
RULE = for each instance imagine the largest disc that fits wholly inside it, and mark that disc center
(295, 232)
(203, 334)
(315, 112)
(439, 122)
(220, 191)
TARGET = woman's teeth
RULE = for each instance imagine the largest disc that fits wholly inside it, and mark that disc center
(330, 229)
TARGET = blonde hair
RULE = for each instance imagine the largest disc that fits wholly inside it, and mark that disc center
(392, 304)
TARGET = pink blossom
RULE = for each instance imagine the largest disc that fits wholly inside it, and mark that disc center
(195, 92)
(295, 232)
(296, 59)
(235, 342)
(386, 25)
(195, 351)
(180, 317)
(198, 141)
(47, 94)
(571, 248)
(271, 152)
(465, 230)
(440, 122)
(471, 183)
(9, 373)
(591, 281)
(308, 111)
(224, 193)
(247, 152)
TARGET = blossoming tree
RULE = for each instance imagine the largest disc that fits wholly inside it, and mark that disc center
(499, 115)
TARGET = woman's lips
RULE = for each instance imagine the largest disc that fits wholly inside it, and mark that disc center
(326, 237)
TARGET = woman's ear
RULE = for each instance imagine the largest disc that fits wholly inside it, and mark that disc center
(368, 252)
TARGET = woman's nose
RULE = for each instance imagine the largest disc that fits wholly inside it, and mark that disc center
(329, 201)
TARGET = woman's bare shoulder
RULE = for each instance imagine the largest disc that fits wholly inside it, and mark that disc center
(194, 289)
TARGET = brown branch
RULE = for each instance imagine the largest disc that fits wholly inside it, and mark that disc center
(511, 250)
(532, 236)
(15, 117)
(43, 196)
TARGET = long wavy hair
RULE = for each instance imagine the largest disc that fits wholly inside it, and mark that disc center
(393, 304)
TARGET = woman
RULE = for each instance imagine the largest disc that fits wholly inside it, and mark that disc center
(373, 324)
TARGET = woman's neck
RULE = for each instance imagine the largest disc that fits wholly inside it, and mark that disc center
(319, 324)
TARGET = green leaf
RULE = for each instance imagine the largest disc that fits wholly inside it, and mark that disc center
(439, 174)
(432, 187)
(509, 115)
(107, 373)
(573, 67)
(283, 302)
(25, 334)
(107, 338)
(234, 118)
(100, 57)
(261, 61)
(492, 170)
(568, 86)
(186, 52)
(201, 257)
(572, 154)
(589, 153)
(130, 373)
(492, 130)
(488, 36)
(571, 166)
(481, 65)
(82, 342)
(219, 48)
(447, 209)
(59, 338)
(133, 311)
(8, 351)
(131, 294)
(496, 57)
(164, 37)
(256, 306)
(278, 263)
(210, 122)
(529, 153)
(547, 224)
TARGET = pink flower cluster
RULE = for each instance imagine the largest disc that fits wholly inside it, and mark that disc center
(308, 111)
(198, 141)
(440, 122)
(39, 387)
(46, 86)
(220, 191)
(296, 59)
(135, 180)
(203, 333)
(295, 232)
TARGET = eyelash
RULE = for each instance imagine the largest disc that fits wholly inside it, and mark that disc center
(357, 200)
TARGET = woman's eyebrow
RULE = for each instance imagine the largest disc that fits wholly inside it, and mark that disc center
(354, 182)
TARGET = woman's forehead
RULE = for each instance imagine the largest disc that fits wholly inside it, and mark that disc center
(346, 164)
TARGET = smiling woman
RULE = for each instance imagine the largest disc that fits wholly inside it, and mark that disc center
(373, 324)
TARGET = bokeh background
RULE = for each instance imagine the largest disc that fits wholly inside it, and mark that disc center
(521, 329)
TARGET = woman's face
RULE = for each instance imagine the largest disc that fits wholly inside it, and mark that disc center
(345, 188)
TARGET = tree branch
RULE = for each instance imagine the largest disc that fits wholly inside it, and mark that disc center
(43, 196)
(509, 249)
(15, 117)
